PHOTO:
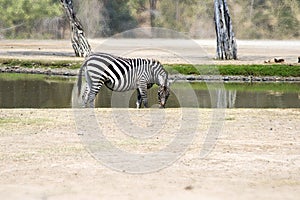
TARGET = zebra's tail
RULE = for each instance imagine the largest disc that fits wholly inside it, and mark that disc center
(79, 81)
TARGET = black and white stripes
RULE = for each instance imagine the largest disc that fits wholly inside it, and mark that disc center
(122, 74)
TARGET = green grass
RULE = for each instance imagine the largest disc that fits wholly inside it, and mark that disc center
(281, 70)
(40, 63)
(8, 120)
(37, 77)
(23, 121)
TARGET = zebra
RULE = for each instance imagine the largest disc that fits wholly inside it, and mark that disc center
(122, 74)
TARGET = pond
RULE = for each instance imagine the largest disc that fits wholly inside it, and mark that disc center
(40, 91)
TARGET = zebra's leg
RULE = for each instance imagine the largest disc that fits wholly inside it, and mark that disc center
(139, 100)
(88, 98)
(143, 93)
(90, 94)
(91, 100)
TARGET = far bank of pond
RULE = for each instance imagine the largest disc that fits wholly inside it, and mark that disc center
(70, 68)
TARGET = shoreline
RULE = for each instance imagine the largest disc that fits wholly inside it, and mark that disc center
(178, 77)
(251, 52)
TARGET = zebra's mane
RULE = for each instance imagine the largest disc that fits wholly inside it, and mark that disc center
(150, 60)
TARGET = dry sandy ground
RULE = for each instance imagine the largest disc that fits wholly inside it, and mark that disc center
(257, 156)
(165, 50)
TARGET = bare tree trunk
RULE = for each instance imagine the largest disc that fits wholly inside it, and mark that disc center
(251, 9)
(79, 42)
(152, 11)
(177, 10)
(226, 43)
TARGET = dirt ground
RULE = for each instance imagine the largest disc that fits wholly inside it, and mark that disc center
(256, 156)
(166, 51)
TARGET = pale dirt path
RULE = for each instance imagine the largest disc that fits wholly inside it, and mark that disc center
(256, 157)
(165, 50)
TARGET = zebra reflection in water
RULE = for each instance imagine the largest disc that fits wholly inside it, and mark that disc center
(122, 74)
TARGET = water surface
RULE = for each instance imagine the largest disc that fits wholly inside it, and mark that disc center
(46, 92)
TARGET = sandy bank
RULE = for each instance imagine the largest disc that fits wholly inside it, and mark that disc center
(255, 157)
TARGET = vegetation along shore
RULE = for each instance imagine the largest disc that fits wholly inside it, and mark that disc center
(250, 72)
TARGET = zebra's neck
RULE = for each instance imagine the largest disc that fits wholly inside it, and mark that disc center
(157, 74)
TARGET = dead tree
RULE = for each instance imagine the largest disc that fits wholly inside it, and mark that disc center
(226, 43)
(152, 11)
(79, 42)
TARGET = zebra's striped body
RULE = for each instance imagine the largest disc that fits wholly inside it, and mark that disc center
(122, 74)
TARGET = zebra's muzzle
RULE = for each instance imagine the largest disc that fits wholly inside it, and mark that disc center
(162, 104)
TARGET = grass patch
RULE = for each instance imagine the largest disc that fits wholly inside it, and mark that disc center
(34, 77)
(8, 120)
(41, 63)
(261, 70)
(236, 70)
(23, 121)
(229, 118)
(281, 70)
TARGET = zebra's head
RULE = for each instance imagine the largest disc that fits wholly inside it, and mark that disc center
(162, 81)
(163, 95)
